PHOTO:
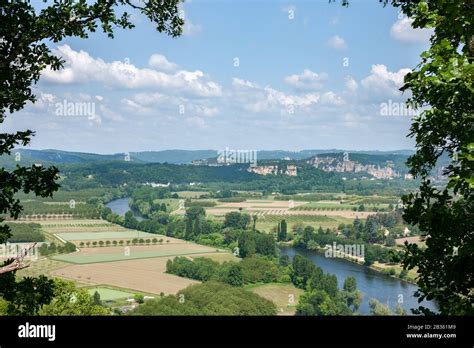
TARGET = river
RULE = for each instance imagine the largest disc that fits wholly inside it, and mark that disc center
(120, 206)
(372, 284)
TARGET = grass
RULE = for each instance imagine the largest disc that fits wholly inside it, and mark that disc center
(126, 234)
(222, 257)
(43, 266)
(107, 294)
(271, 221)
(284, 296)
(77, 258)
(411, 276)
(191, 194)
(75, 222)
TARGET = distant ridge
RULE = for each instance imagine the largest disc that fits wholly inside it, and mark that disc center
(52, 156)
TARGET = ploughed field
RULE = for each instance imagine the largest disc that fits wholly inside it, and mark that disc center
(119, 261)
(146, 275)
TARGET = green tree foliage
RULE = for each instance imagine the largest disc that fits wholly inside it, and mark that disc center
(376, 308)
(235, 275)
(322, 296)
(246, 244)
(251, 270)
(69, 300)
(194, 220)
(303, 269)
(24, 53)
(443, 82)
(319, 302)
(130, 220)
(282, 230)
(96, 299)
(209, 298)
(350, 294)
(26, 296)
(25, 232)
(237, 220)
(139, 298)
(369, 257)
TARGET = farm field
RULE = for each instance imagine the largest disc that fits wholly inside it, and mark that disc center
(191, 194)
(107, 294)
(125, 234)
(77, 231)
(77, 223)
(41, 266)
(285, 208)
(267, 222)
(285, 296)
(327, 214)
(108, 254)
(335, 205)
(146, 275)
(411, 240)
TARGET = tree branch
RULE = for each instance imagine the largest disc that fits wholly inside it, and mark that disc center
(17, 263)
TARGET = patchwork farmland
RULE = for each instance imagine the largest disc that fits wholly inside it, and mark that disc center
(138, 275)
(269, 212)
(108, 254)
(128, 260)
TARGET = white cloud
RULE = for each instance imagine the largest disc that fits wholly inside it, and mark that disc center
(403, 31)
(381, 81)
(307, 80)
(160, 63)
(257, 99)
(196, 122)
(148, 103)
(351, 83)
(338, 43)
(239, 83)
(110, 114)
(80, 67)
(190, 28)
(331, 98)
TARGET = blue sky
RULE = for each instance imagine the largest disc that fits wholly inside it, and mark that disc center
(309, 75)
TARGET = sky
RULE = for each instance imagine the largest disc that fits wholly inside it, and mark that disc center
(246, 75)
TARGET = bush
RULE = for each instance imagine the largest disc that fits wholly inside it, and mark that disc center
(25, 232)
(210, 298)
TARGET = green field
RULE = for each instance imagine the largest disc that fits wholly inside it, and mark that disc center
(191, 194)
(79, 258)
(105, 235)
(107, 294)
(284, 296)
(270, 221)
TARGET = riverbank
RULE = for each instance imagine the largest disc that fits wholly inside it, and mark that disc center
(388, 290)
(378, 267)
